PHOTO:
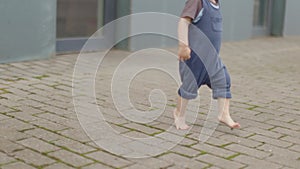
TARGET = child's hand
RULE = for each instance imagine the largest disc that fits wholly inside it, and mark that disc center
(184, 53)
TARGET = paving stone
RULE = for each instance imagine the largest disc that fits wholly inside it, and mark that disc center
(17, 165)
(120, 129)
(296, 122)
(256, 163)
(188, 142)
(152, 163)
(217, 151)
(76, 134)
(49, 125)
(217, 141)
(295, 148)
(73, 145)
(14, 124)
(38, 145)
(29, 109)
(279, 151)
(271, 141)
(283, 124)
(213, 167)
(4, 159)
(71, 158)
(291, 139)
(109, 159)
(289, 118)
(267, 133)
(138, 166)
(285, 131)
(196, 134)
(55, 110)
(142, 128)
(239, 140)
(3, 117)
(13, 96)
(29, 102)
(58, 166)
(180, 161)
(239, 133)
(8, 146)
(23, 116)
(96, 166)
(43, 134)
(135, 134)
(194, 164)
(284, 160)
(53, 117)
(219, 162)
(250, 123)
(32, 157)
(248, 151)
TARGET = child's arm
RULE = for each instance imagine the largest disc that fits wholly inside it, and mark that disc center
(184, 50)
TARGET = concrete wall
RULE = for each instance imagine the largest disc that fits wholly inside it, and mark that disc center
(292, 24)
(173, 7)
(237, 19)
(27, 29)
(238, 16)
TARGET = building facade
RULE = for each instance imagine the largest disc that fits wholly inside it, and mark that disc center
(36, 29)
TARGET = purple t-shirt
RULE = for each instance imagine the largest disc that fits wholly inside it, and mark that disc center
(191, 9)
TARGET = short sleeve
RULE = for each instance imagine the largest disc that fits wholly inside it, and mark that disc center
(191, 9)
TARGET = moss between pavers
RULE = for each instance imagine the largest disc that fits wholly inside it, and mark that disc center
(3, 164)
(271, 128)
(132, 129)
(184, 155)
(251, 135)
(232, 156)
(41, 77)
(209, 166)
(35, 166)
(171, 105)
(253, 107)
(162, 154)
(4, 91)
(14, 79)
(224, 145)
(60, 161)
(16, 150)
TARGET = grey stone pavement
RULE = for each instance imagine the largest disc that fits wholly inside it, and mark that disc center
(39, 127)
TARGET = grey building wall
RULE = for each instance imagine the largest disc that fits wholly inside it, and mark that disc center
(238, 19)
(292, 24)
(173, 7)
(27, 29)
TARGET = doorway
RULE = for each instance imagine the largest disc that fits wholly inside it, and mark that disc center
(262, 17)
(77, 20)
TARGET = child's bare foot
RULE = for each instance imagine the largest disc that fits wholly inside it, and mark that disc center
(180, 121)
(227, 120)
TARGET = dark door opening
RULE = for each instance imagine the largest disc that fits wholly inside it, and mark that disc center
(77, 20)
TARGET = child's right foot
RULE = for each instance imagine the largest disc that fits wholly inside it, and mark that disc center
(227, 120)
(180, 122)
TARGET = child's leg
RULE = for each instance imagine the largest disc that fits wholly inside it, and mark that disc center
(224, 115)
(181, 106)
(179, 114)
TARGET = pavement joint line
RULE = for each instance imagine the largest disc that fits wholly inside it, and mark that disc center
(232, 156)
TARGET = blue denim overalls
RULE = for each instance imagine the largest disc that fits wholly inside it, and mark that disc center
(205, 67)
